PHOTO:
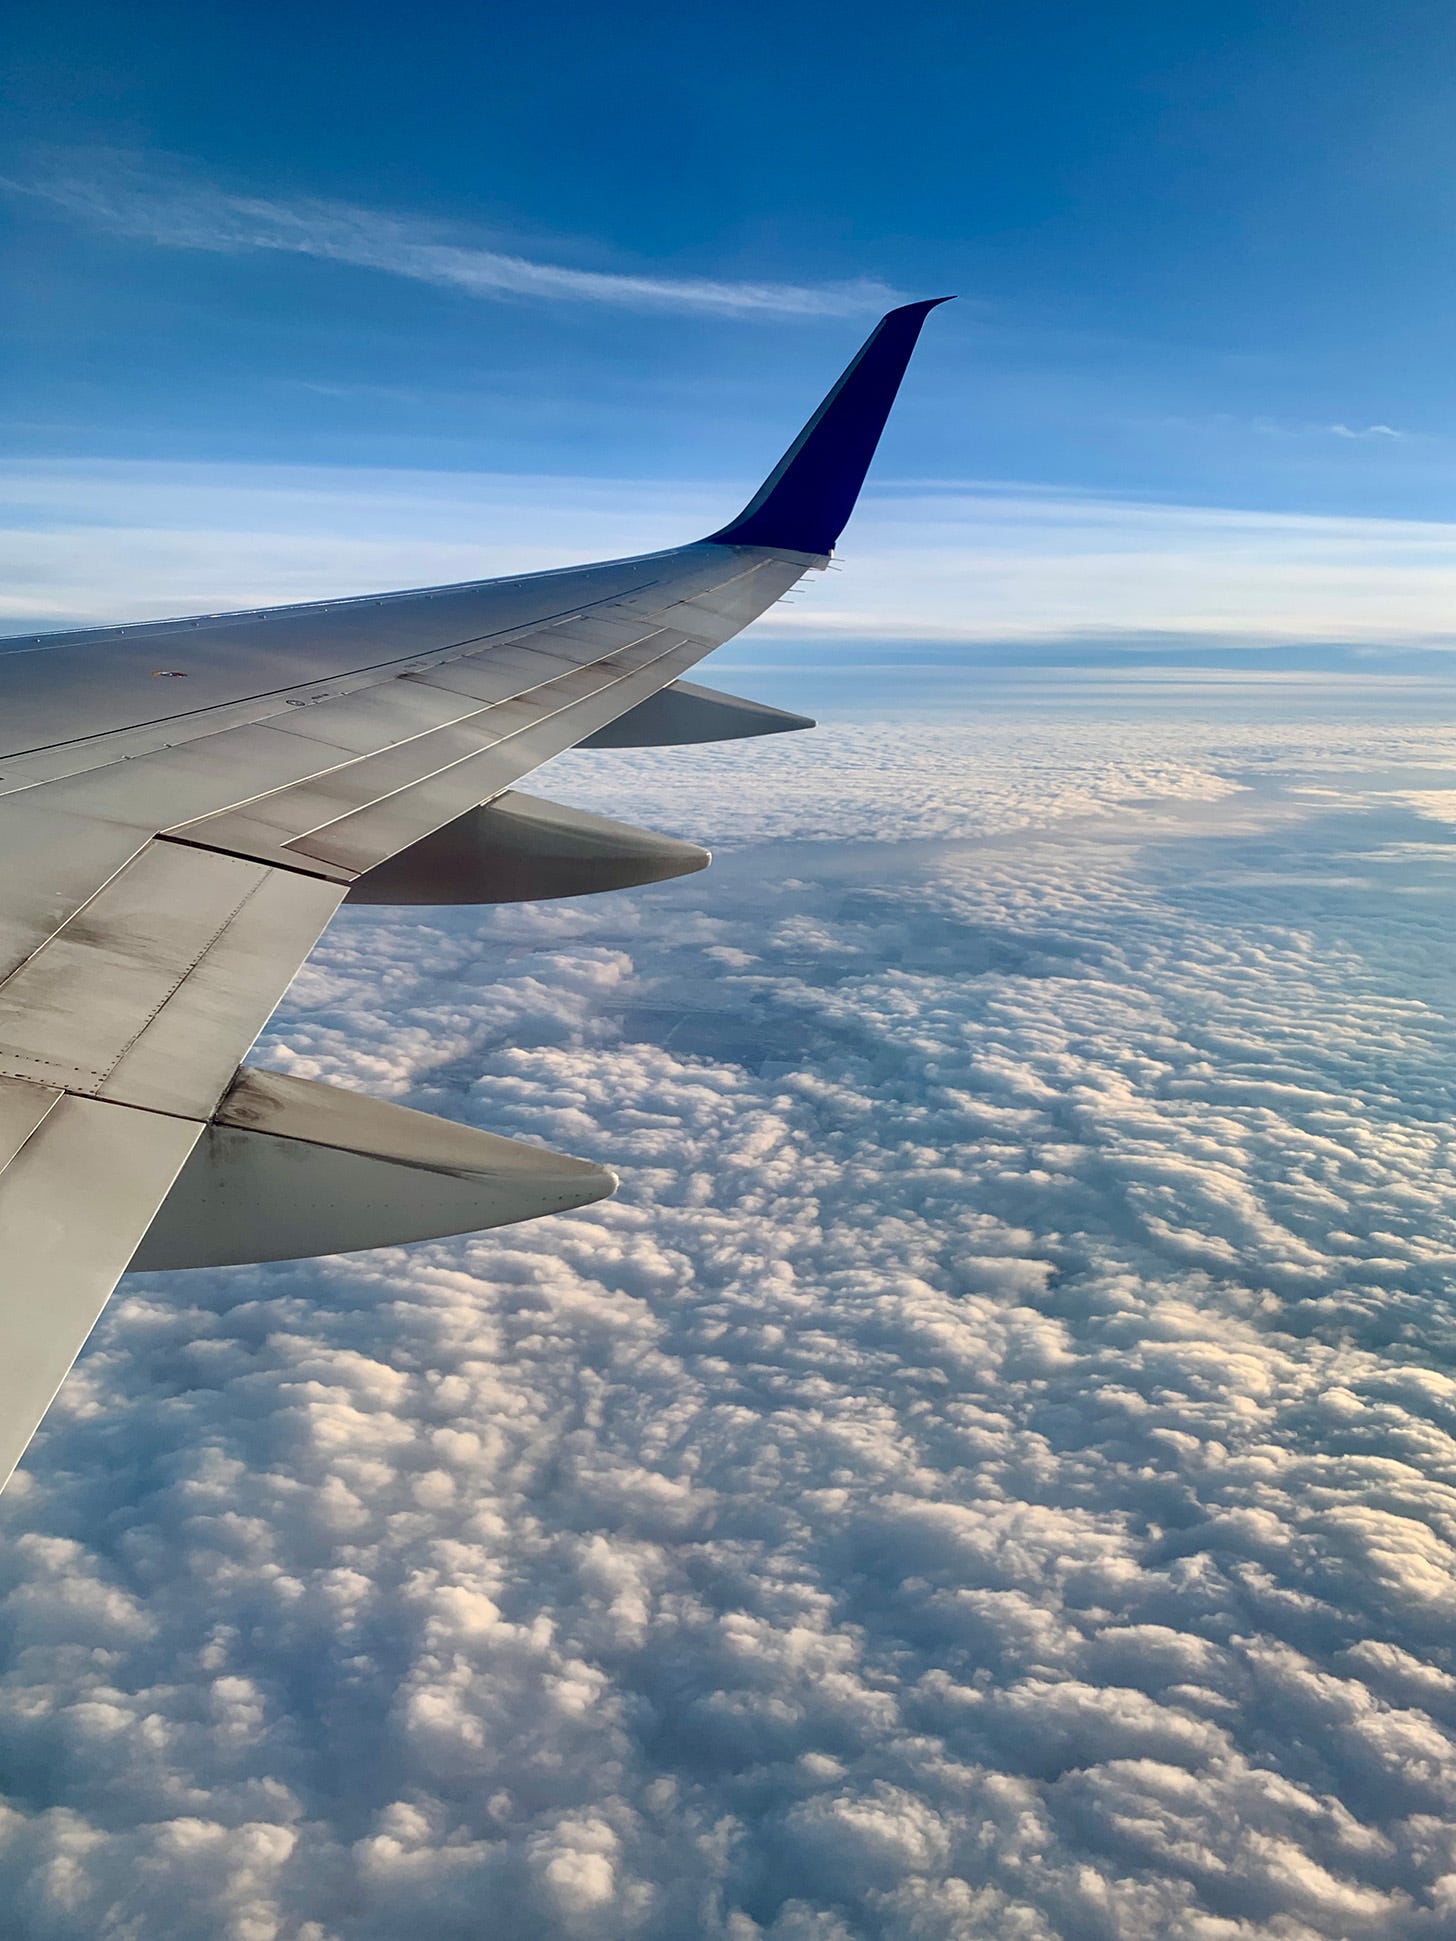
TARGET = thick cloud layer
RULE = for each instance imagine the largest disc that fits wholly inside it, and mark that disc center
(991, 1472)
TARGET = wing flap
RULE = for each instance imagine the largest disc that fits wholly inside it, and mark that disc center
(355, 814)
(185, 1056)
(264, 788)
(152, 991)
(75, 1198)
(357, 842)
(52, 863)
(22, 1107)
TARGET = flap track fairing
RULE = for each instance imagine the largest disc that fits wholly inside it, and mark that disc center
(290, 1168)
(684, 713)
(521, 848)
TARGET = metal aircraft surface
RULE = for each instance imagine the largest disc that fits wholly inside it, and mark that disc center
(184, 804)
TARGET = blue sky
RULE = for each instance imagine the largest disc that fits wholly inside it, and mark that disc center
(1191, 242)
(305, 305)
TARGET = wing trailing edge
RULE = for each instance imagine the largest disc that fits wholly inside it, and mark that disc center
(805, 502)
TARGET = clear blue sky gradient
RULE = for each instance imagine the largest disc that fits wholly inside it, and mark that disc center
(1191, 242)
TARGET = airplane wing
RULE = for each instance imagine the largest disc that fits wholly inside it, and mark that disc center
(185, 804)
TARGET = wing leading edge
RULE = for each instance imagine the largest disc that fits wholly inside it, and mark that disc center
(183, 806)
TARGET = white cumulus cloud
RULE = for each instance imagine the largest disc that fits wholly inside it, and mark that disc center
(991, 1471)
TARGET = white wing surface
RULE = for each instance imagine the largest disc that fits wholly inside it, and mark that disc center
(183, 807)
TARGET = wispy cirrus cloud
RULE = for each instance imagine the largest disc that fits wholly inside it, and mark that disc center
(173, 210)
(1364, 431)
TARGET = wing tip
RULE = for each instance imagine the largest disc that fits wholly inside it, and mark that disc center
(805, 502)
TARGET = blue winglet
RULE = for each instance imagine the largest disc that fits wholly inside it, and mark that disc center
(805, 502)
